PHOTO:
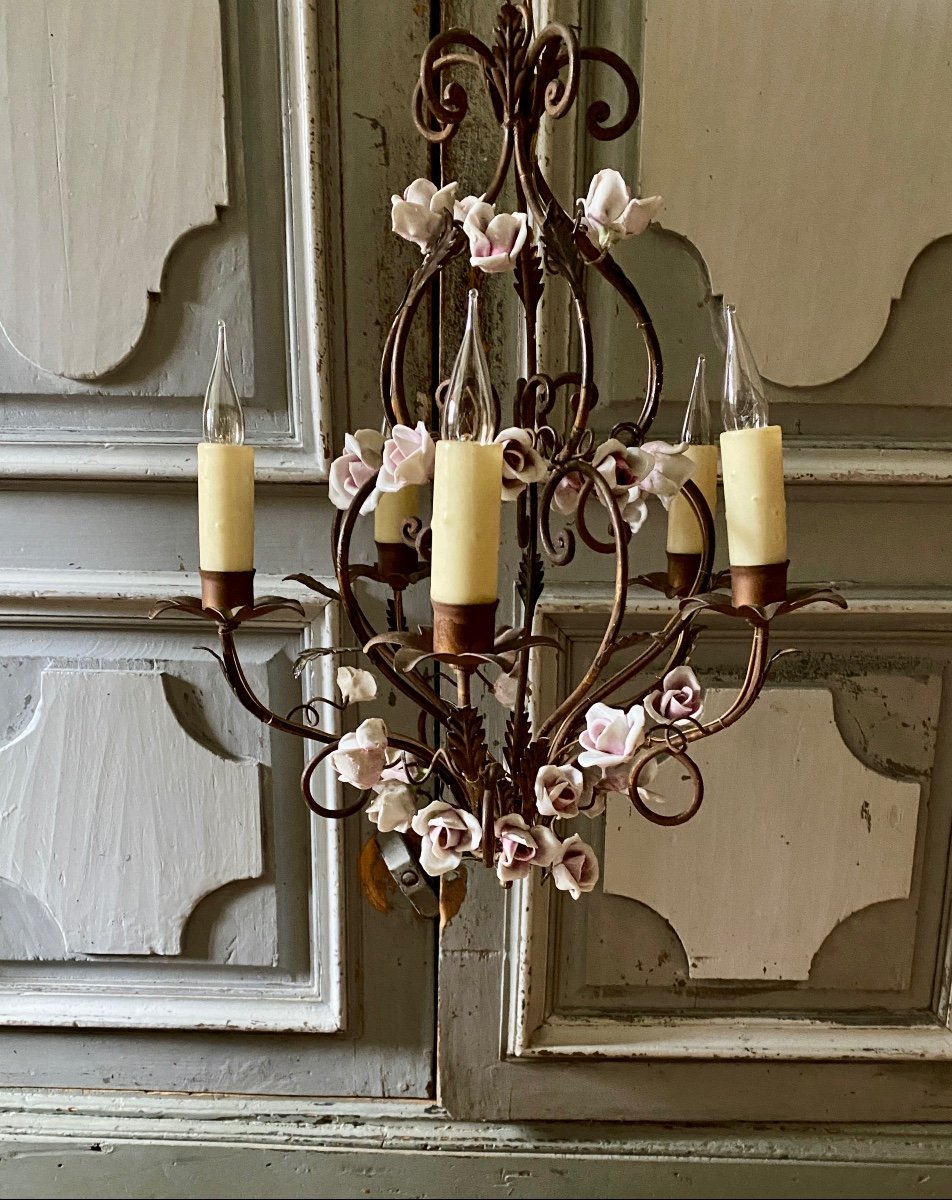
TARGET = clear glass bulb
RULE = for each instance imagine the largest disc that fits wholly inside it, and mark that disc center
(744, 405)
(469, 414)
(222, 418)
(697, 419)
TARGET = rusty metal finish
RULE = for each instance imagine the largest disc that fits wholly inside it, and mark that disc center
(227, 589)
(524, 76)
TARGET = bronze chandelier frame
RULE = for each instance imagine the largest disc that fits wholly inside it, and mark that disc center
(525, 76)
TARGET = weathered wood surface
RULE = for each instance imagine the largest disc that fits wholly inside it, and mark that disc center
(112, 148)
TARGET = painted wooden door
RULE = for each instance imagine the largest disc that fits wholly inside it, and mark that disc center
(784, 956)
(169, 916)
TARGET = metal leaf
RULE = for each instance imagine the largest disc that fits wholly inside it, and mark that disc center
(314, 584)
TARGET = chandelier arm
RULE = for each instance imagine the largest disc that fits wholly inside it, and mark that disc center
(598, 110)
(673, 740)
(558, 96)
(238, 682)
(392, 391)
(604, 652)
(410, 683)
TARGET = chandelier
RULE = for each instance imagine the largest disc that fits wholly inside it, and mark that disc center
(443, 792)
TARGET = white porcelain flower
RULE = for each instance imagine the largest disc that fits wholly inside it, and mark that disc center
(669, 471)
(448, 833)
(363, 454)
(623, 468)
(360, 756)
(400, 766)
(611, 736)
(567, 492)
(522, 464)
(408, 458)
(561, 791)
(680, 696)
(461, 207)
(521, 848)
(494, 240)
(612, 214)
(393, 806)
(575, 867)
(420, 213)
(355, 685)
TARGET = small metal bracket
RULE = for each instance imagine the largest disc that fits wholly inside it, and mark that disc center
(408, 874)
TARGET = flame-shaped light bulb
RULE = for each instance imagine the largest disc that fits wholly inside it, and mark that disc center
(222, 419)
(697, 419)
(469, 412)
(744, 405)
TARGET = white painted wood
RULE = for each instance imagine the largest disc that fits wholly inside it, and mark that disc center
(794, 835)
(112, 147)
(119, 841)
(758, 130)
(96, 606)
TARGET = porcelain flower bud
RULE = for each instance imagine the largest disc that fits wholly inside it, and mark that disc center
(567, 492)
(561, 791)
(355, 685)
(400, 766)
(669, 471)
(494, 240)
(393, 806)
(448, 833)
(360, 756)
(679, 698)
(575, 867)
(612, 214)
(461, 207)
(408, 458)
(506, 688)
(623, 468)
(421, 212)
(522, 464)
(611, 736)
(362, 457)
(521, 848)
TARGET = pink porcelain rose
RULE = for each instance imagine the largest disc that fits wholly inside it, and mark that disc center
(623, 468)
(561, 791)
(574, 867)
(567, 492)
(611, 736)
(361, 460)
(521, 848)
(421, 212)
(495, 240)
(522, 464)
(408, 458)
(680, 697)
(361, 756)
(392, 807)
(448, 833)
(612, 213)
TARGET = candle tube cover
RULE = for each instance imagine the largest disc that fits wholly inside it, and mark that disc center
(684, 532)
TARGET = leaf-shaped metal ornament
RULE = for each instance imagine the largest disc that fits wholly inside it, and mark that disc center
(315, 585)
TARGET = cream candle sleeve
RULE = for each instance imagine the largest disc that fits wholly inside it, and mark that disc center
(393, 510)
(754, 502)
(467, 498)
(684, 532)
(226, 514)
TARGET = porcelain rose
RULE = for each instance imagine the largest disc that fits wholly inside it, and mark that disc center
(448, 833)
(393, 806)
(623, 468)
(408, 458)
(680, 697)
(506, 688)
(567, 492)
(612, 214)
(574, 867)
(494, 240)
(361, 460)
(611, 736)
(667, 472)
(522, 464)
(361, 756)
(420, 213)
(355, 685)
(521, 848)
(561, 791)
